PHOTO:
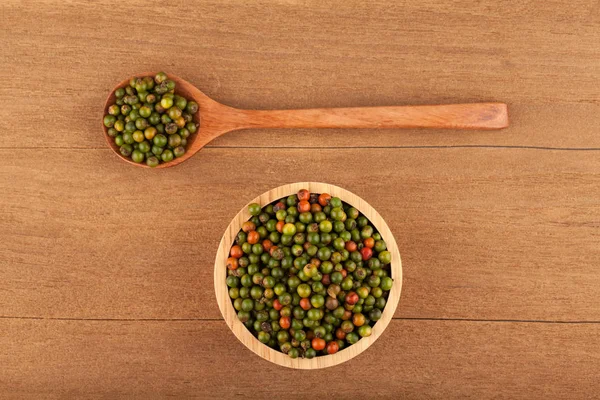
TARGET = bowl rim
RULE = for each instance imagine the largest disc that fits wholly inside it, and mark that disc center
(239, 329)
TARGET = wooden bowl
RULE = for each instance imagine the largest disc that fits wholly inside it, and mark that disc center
(240, 330)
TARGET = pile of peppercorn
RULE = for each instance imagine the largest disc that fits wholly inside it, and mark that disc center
(308, 274)
(149, 122)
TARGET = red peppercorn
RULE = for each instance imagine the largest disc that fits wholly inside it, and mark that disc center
(351, 298)
(280, 205)
(366, 253)
(305, 304)
(332, 347)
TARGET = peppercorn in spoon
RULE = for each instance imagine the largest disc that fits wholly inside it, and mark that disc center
(215, 119)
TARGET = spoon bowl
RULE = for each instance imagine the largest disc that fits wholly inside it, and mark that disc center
(182, 88)
(215, 119)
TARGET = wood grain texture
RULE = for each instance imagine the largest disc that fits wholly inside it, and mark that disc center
(478, 116)
(509, 232)
(202, 359)
(230, 314)
(539, 58)
(484, 233)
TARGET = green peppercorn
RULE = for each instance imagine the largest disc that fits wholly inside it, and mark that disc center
(157, 150)
(160, 77)
(141, 123)
(128, 137)
(386, 283)
(138, 136)
(137, 156)
(160, 140)
(179, 151)
(167, 155)
(126, 150)
(174, 112)
(119, 140)
(130, 127)
(293, 353)
(180, 102)
(144, 146)
(174, 140)
(149, 82)
(109, 121)
(112, 132)
(166, 102)
(171, 128)
(145, 111)
(184, 133)
(192, 127)
(114, 110)
(192, 107)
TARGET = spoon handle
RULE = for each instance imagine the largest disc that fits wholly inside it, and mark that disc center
(451, 116)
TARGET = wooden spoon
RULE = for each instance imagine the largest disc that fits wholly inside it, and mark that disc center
(216, 119)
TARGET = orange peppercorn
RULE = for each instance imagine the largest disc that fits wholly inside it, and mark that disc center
(318, 344)
(315, 208)
(350, 246)
(267, 244)
(248, 226)
(324, 199)
(285, 322)
(303, 206)
(236, 251)
(253, 237)
(232, 263)
(303, 195)
(279, 226)
(332, 347)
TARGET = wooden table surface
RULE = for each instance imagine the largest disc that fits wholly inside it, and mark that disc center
(106, 286)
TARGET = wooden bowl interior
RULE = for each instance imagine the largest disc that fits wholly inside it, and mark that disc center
(240, 330)
(182, 88)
